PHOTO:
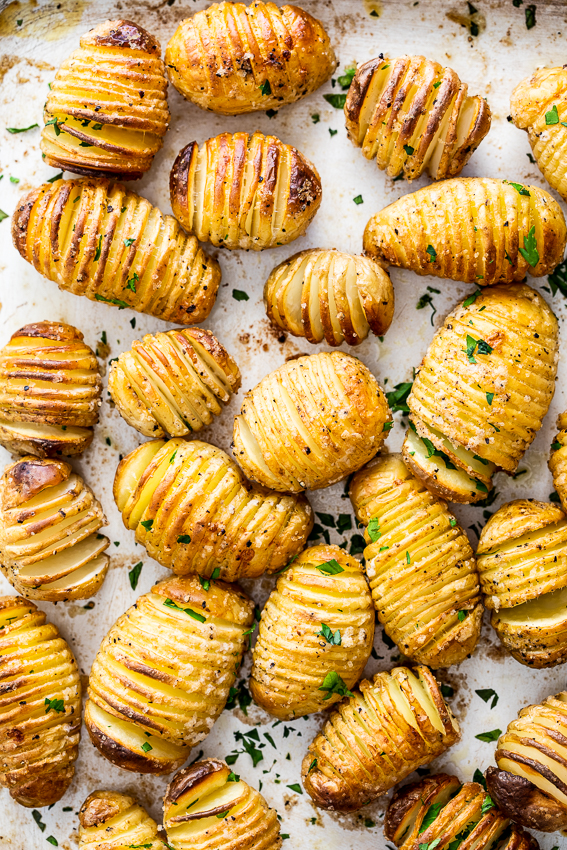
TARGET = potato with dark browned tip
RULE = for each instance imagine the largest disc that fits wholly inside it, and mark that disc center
(109, 820)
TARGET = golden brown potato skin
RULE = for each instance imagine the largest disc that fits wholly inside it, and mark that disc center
(412, 115)
(228, 191)
(367, 746)
(234, 58)
(558, 460)
(132, 716)
(528, 784)
(47, 513)
(545, 94)
(106, 111)
(311, 422)
(470, 229)
(209, 807)
(292, 656)
(173, 382)
(109, 820)
(131, 255)
(452, 805)
(50, 391)
(419, 563)
(324, 294)
(40, 724)
(194, 511)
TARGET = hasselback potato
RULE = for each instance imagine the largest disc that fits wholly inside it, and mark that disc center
(163, 672)
(97, 238)
(113, 821)
(539, 105)
(413, 115)
(50, 548)
(208, 806)
(441, 811)
(474, 229)
(174, 382)
(420, 565)
(50, 391)
(106, 111)
(232, 58)
(40, 706)
(244, 191)
(387, 729)
(482, 391)
(194, 511)
(328, 295)
(529, 782)
(558, 460)
(522, 562)
(311, 422)
(316, 634)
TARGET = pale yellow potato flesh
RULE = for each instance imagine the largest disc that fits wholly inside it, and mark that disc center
(109, 820)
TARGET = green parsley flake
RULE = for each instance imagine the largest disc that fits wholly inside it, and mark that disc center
(529, 252)
(239, 295)
(373, 529)
(552, 117)
(169, 603)
(331, 568)
(134, 575)
(332, 638)
(333, 684)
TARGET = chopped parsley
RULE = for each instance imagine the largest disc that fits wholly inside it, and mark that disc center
(397, 398)
(132, 281)
(315, 117)
(184, 538)
(447, 690)
(487, 804)
(373, 529)
(521, 190)
(22, 129)
(432, 253)
(478, 345)
(240, 695)
(489, 398)
(333, 684)
(529, 252)
(336, 100)
(266, 88)
(98, 250)
(169, 603)
(558, 279)
(37, 818)
(531, 16)
(134, 575)
(3, 215)
(488, 737)
(472, 298)
(331, 568)
(346, 79)
(206, 585)
(409, 150)
(54, 705)
(129, 241)
(461, 615)
(147, 524)
(358, 200)
(334, 638)
(487, 694)
(479, 777)
(116, 301)
(146, 746)
(239, 295)
(552, 117)
(430, 816)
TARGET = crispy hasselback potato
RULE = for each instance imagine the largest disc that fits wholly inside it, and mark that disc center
(419, 563)
(50, 391)
(40, 706)
(316, 631)
(440, 810)
(473, 229)
(194, 511)
(539, 105)
(522, 561)
(113, 821)
(174, 382)
(96, 238)
(209, 807)
(327, 295)
(232, 58)
(482, 391)
(412, 115)
(163, 673)
(529, 782)
(558, 460)
(106, 111)
(311, 422)
(50, 548)
(242, 191)
(387, 729)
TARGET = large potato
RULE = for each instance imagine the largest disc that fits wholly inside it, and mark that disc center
(232, 58)
(420, 565)
(482, 390)
(413, 115)
(113, 821)
(40, 717)
(194, 511)
(106, 111)
(50, 391)
(244, 191)
(474, 229)
(558, 460)
(316, 634)
(163, 673)
(311, 422)
(97, 238)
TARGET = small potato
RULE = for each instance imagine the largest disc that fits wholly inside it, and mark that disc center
(316, 634)
(50, 391)
(473, 229)
(40, 721)
(173, 382)
(412, 115)
(385, 730)
(311, 422)
(244, 191)
(50, 548)
(163, 673)
(327, 295)
(558, 460)
(106, 111)
(209, 807)
(112, 821)
(232, 58)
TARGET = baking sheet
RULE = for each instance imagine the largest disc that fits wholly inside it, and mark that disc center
(34, 38)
